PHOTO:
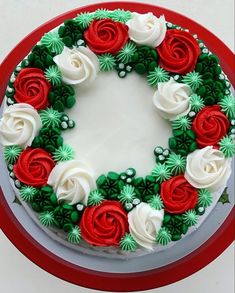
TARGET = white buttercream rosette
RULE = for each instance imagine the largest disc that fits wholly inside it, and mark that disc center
(72, 182)
(147, 29)
(77, 65)
(144, 224)
(207, 168)
(171, 99)
(19, 125)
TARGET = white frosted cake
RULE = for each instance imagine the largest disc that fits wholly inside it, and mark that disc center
(118, 133)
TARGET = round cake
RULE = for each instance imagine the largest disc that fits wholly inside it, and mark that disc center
(118, 132)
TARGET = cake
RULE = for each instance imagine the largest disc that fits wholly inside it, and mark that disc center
(118, 132)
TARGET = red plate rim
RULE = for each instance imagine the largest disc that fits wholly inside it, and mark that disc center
(67, 271)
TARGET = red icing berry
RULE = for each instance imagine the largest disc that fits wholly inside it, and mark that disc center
(105, 224)
(178, 52)
(32, 87)
(106, 36)
(178, 195)
(210, 125)
(33, 167)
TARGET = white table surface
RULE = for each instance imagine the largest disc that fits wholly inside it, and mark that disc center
(17, 19)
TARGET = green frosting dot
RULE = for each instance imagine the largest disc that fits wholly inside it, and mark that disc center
(84, 19)
(53, 75)
(204, 198)
(11, 153)
(227, 104)
(161, 172)
(53, 42)
(27, 193)
(193, 79)
(128, 243)
(156, 202)
(190, 218)
(127, 52)
(157, 75)
(120, 15)
(127, 194)
(46, 219)
(176, 163)
(50, 117)
(74, 236)
(95, 198)
(107, 62)
(63, 153)
(196, 103)
(182, 123)
(227, 146)
(102, 13)
(163, 236)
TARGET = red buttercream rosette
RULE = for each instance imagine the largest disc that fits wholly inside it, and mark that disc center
(178, 195)
(33, 167)
(178, 52)
(105, 224)
(32, 87)
(106, 36)
(210, 125)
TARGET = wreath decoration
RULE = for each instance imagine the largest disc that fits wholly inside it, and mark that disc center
(121, 210)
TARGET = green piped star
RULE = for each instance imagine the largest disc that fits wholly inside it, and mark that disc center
(204, 198)
(156, 202)
(127, 52)
(53, 75)
(182, 123)
(157, 75)
(190, 218)
(84, 19)
(53, 42)
(95, 198)
(102, 13)
(161, 172)
(227, 146)
(50, 117)
(63, 153)
(107, 62)
(27, 193)
(74, 236)
(193, 79)
(176, 163)
(46, 219)
(228, 106)
(127, 194)
(120, 15)
(128, 243)
(196, 103)
(11, 153)
(163, 236)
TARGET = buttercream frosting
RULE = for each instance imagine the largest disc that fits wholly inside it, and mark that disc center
(171, 99)
(72, 182)
(77, 65)
(207, 168)
(144, 224)
(147, 29)
(19, 125)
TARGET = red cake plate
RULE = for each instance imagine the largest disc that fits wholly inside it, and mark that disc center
(77, 274)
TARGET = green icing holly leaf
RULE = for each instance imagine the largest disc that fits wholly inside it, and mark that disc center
(224, 198)
(16, 200)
